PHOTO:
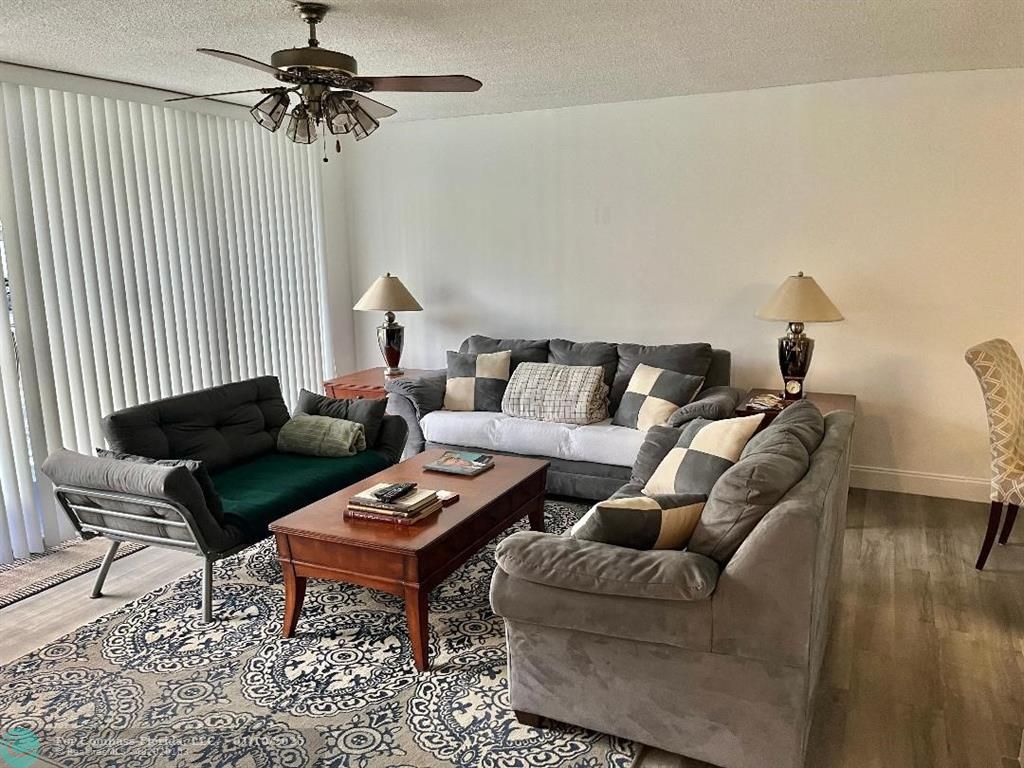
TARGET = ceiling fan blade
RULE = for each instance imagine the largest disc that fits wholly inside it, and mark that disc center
(373, 108)
(245, 61)
(222, 93)
(424, 83)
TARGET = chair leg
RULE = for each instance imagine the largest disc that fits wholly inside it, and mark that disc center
(1011, 518)
(207, 590)
(97, 587)
(994, 516)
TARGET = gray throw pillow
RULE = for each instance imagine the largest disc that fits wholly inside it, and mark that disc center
(642, 522)
(196, 467)
(655, 447)
(694, 359)
(476, 382)
(803, 420)
(708, 449)
(745, 493)
(324, 436)
(369, 413)
(653, 395)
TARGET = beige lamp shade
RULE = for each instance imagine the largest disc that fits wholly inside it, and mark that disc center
(387, 294)
(800, 300)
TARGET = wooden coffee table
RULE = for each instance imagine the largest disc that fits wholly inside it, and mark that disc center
(318, 542)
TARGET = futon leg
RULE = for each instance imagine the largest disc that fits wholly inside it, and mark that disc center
(97, 588)
(1011, 518)
(994, 516)
(207, 590)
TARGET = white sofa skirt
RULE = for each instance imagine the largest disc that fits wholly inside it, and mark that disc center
(601, 443)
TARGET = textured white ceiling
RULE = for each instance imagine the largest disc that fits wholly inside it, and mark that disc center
(530, 54)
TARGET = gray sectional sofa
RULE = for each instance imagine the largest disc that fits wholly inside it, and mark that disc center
(713, 652)
(588, 462)
(244, 483)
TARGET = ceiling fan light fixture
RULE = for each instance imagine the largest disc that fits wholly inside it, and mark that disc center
(364, 124)
(302, 126)
(269, 112)
(336, 114)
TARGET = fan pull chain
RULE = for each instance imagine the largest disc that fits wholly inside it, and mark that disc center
(337, 146)
(324, 142)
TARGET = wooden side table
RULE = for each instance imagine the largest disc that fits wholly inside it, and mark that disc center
(826, 402)
(368, 384)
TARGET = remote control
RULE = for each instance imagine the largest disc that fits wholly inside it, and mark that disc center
(394, 492)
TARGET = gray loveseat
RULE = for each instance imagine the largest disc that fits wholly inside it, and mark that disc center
(588, 462)
(713, 652)
(232, 429)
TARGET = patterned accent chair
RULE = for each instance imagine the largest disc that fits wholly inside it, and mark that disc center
(1001, 376)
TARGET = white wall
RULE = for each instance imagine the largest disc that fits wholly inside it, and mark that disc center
(673, 219)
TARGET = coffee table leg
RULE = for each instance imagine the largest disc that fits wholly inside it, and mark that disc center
(294, 593)
(419, 633)
(536, 515)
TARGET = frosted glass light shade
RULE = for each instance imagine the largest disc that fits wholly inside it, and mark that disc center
(800, 300)
(387, 294)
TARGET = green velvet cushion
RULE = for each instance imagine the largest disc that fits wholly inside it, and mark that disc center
(260, 491)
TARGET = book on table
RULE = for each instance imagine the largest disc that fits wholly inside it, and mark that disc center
(469, 463)
(408, 509)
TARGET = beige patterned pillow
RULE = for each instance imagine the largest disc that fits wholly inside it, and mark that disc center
(568, 394)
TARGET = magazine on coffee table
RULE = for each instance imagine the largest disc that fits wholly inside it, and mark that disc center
(468, 463)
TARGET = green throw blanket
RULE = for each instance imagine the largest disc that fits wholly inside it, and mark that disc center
(321, 436)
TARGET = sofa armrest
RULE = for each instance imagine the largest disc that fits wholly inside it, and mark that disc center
(713, 403)
(588, 566)
(413, 398)
(84, 480)
(424, 392)
(392, 438)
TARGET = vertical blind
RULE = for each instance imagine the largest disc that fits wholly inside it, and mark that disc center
(149, 251)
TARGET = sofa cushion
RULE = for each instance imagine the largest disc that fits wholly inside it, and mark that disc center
(523, 350)
(601, 443)
(585, 566)
(599, 353)
(476, 382)
(197, 468)
(654, 394)
(706, 449)
(568, 394)
(310, 435)
(642, 522)
(802, 419)
(694, 359)
(258, 492)
(219, 426)
(747, 491)
(369, 413)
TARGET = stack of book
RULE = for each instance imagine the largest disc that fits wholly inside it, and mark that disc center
(407, 510)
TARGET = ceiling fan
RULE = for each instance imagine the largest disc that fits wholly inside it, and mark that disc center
(328, 88)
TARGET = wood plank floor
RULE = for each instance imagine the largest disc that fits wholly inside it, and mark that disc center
(925, 667)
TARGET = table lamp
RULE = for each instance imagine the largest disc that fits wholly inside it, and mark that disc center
(388, 295)
(797, 301)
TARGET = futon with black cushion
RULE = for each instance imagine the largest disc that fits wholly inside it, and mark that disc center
(236, 483)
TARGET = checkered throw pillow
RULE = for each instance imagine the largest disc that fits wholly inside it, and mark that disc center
(654, 394)
(568, 394)
(704, 451)
(476, 382)
(642, 522)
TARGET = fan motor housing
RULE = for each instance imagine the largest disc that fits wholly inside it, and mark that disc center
(314, 58)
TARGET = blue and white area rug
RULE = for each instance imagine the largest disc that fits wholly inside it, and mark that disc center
(151, 686)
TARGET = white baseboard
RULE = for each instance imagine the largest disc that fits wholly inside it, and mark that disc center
(920, 483)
